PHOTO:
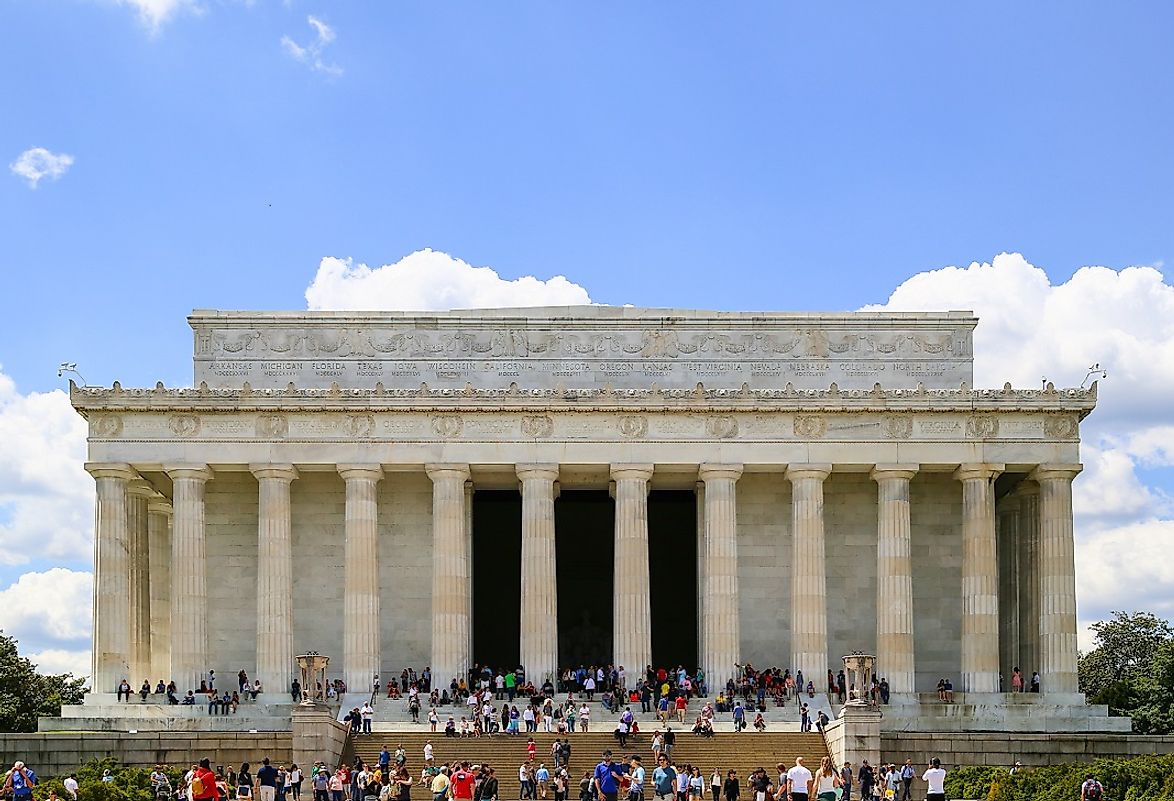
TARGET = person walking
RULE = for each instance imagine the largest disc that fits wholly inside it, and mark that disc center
(907, 774)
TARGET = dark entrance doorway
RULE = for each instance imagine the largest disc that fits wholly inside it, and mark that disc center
(497, 577)
(585, 548)
(672, 562)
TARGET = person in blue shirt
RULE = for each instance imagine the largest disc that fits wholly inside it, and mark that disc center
(606, 782)
(664, 780)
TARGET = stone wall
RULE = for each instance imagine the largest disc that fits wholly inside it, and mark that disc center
(764, 569)
(317, 503)
(935, 517)
(54, 754)
(405, 571)
(992, 748)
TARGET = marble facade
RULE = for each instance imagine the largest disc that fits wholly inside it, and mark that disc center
(854, 492)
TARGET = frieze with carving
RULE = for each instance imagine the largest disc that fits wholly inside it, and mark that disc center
(272, 426)
(810, 426)
(723, 427)
(897, 426)
(107, 426)
(359, 426)
(655, 343)
(982, 426)
(633, 425)
(537, 426)
(184, 425)
(1060, 426)
(447, 425)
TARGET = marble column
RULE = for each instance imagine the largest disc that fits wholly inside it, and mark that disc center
(1027, 529)
(159, 556)
(980, 579)
(189, 576)
(451, 574)
(894, 585)
(809, 615)
(139, 494)
(469, 492)
(1057, 579)
(632, 608)
(111, 576)
(699, 491)
(538, 648)
(360, 634)
(723, 633)
(275, 640)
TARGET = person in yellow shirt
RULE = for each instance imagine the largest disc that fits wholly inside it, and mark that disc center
(440, 785)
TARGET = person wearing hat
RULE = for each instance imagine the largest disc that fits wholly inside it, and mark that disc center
(636, 771)
(606, 781)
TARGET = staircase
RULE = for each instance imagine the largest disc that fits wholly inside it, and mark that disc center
(725, 751)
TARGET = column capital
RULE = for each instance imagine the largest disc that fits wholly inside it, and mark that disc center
(880, 472)
(545, 472)
(372, 472)
(641, 472)
(710, 472)
(436, 471)
(159, 506)
(285, 472)
(797, 472)
(141, 488)
(111, 470)
(1025, 488)
(1046, 472)
(978, 470)
(198, 472)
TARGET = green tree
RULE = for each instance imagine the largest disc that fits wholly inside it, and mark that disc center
(1125, 647)
(26, 695)
(1153, 707)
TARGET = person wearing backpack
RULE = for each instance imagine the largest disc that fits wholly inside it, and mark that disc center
(203, 784)
(1091, 790)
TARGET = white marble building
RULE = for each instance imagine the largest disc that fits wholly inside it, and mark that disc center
(316, 490)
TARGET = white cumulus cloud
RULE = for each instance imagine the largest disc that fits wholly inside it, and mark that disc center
(37, 163)
(430, 280)
(46, 498)
(49, 613)
(153, 13)
(311, 53)
(1031, 328)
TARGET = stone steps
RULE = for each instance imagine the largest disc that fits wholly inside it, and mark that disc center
(724, 751)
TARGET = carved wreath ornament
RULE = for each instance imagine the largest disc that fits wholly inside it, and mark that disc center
(898, 426)
(810, 426)
(722, 427)
(272, 426)
(184, 425)
(359, 426)
(1060, 426)
(537, 426)
(108, 425)
(447, 425)
(633, 425)
(982, 426)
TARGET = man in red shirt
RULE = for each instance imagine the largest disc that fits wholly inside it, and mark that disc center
(462, 783)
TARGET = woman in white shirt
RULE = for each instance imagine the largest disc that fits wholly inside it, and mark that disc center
(826, 780)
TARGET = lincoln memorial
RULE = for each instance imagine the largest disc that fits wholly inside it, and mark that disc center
(557, 486)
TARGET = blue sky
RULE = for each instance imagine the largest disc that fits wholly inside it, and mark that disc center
(732, 156)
